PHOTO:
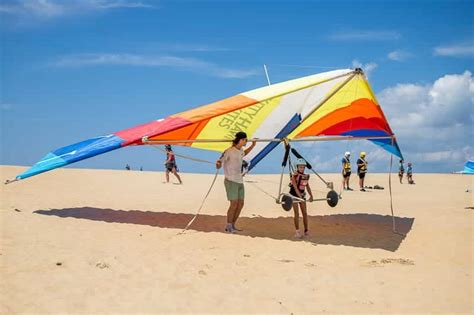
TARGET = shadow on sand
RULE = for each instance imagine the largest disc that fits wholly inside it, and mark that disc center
(358, 230)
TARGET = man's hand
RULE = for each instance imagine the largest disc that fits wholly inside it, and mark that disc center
(310, 199)
(218, 164)
(247, 151)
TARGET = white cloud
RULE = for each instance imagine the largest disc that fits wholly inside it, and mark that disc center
(458, 50)
(433, 122)
(47, 9)
(365, 35)
(399, 55)
(180, 47)
(367, 68)
(181, 63)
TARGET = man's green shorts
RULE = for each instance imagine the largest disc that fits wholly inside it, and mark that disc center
(235, 191)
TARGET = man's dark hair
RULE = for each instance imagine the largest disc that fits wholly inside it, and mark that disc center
(239, 136)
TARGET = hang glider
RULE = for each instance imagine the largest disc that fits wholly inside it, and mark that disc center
(334, 105)
(468, 168)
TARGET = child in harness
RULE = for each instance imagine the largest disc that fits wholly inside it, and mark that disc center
(298, 187)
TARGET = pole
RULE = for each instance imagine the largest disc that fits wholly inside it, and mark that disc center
(266, 74)
(394, 227)
(145, 140)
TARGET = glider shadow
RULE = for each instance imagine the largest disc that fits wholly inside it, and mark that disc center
(357, 230)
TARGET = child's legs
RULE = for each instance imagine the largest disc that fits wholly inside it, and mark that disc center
(305, 215)
(176, 174)
(167, 175)
(297, 216)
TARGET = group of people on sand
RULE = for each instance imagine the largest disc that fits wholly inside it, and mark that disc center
(232, 160)
(347, 170)
(401, 171)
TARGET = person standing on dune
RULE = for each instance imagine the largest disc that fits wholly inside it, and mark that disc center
(170, 164)
(232, 160)
(346, 171)
(362, 170)
(401, 171)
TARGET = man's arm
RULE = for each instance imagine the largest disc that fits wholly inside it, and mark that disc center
(220, 160)
(247, 151)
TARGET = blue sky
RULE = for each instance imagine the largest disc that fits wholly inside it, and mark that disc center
(71, 70)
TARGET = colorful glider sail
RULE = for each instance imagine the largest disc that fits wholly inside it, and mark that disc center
(468, 168)
(337, 103)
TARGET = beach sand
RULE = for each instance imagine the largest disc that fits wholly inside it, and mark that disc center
(104, 241)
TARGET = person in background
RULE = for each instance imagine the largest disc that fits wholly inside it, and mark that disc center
(401, 171)
(362, 170)
(299, 186)
(410, 174)
(232, 159)
(170, 164)
(346, 171)
(127, 167)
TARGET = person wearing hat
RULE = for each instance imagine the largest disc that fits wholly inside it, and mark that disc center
(362, 170)
(232, 160)
(170, 164)
(346, 171)
(410, 174)
(401, 171)
(299, 185)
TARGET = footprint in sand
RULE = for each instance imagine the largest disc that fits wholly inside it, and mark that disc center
(400, 261)
(385, 261)
(310, 265)
(286, 260)
(202, 273)
(246, 255)
(102, 265)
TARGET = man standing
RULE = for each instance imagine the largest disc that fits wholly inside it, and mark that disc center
(346, 171)
(234, 184)
(362, 170)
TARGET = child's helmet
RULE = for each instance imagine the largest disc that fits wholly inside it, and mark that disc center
(347, 153)
(362, 154)
(300, 162)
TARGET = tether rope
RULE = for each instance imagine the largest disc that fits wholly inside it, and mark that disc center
(185, 156)
(263, 191)
(202, 204)
(394, 227)
(208, 191)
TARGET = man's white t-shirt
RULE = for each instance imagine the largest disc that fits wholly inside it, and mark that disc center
(232, 160)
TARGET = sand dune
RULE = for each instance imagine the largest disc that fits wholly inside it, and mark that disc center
(101, 241)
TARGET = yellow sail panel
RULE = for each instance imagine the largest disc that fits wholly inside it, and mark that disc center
(225, 126)
(294, 85)
(354, 89)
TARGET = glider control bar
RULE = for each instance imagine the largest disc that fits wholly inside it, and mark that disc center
(145, 140)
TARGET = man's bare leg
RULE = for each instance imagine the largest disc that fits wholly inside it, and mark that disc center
(167, 176)
(240, 206)
(231, 212)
